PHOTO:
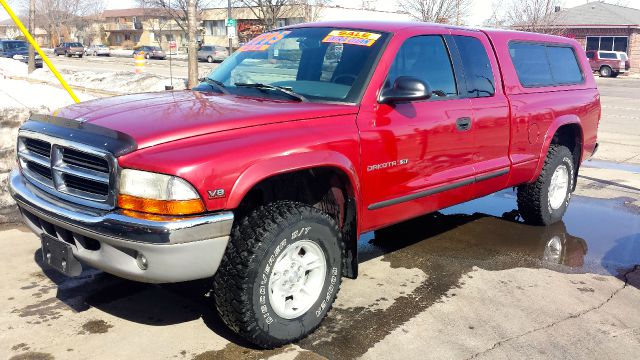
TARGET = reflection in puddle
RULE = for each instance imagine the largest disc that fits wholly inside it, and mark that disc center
(596, 235)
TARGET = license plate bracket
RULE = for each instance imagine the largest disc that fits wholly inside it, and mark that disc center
(58, 255)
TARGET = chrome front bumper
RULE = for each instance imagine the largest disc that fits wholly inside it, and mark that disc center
(185, 249)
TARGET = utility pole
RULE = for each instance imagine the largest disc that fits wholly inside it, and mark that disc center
(32, 28)
(229, 17)
(192, 46)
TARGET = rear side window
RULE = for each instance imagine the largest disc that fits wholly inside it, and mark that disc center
(545, 65)
(604, 55)
(564, 67)
(476, 65)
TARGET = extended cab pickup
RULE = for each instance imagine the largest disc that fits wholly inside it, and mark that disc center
(265, 174)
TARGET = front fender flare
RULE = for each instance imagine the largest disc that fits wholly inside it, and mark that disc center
(269, 167)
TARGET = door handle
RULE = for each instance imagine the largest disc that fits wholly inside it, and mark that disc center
(463, 123)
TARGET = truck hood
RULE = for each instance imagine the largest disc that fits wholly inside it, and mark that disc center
(155, 118)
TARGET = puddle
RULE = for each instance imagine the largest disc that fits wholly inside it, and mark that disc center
(597, 236)
(601, 164)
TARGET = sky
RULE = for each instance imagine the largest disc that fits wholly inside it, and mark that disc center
(481, 8)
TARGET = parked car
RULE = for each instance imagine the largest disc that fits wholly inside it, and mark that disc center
(211, 53)
(609, 63)
(150, 52)
(18, 50)
(97, 50)
(264, 176)
(69, 49)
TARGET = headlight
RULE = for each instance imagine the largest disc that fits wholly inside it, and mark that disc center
(157, 194)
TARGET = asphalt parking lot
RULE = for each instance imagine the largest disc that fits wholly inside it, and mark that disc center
(468, 282)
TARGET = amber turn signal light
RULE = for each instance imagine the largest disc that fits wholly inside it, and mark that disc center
(161, 207)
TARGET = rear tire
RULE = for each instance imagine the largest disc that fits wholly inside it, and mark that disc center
(280, 273)
(605, 71)
(545, 201)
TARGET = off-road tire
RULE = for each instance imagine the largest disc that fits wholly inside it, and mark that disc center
(533, 199)
(605, 71)
(243, 275)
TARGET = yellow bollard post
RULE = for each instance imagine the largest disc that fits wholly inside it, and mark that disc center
(33, 42)
(139, 61)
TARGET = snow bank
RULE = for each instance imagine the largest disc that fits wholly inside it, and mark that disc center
(10, 67)
(18, 99)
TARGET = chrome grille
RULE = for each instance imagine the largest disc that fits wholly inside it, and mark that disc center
(69, 170)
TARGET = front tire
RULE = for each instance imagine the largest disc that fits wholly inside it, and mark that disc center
(209, 59)
(280, 274)
(545, 201)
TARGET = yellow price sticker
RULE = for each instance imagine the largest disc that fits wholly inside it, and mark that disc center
(361, 38)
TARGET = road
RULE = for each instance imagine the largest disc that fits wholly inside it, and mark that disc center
(470, 282)
(112, 63)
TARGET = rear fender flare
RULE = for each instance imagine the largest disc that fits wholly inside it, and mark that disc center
(548, 137)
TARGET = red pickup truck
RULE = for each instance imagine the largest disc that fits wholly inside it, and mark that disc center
(264, 176)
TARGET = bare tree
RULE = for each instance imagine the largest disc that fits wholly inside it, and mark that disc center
(268, 11)
(439, 11)
(177, 9)
(311, 9)
(527, 15)
(58, 16)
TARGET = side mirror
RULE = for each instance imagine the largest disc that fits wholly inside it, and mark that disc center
(405, 89)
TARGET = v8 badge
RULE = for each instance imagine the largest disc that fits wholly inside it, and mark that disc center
(216, 194)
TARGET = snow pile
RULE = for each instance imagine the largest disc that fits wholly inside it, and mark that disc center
(11, 67)
(18, 99)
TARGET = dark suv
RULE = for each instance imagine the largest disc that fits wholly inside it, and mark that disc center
(69, 49)
(19, 50)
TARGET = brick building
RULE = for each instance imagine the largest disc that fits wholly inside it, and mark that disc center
(602, 26)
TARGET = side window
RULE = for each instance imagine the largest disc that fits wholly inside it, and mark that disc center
(564, 67)
(545, 65)
(476, 65)
(530, 61)
(426, 58)
(591, 54)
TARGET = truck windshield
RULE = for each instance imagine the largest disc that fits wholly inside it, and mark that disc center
(320, 64)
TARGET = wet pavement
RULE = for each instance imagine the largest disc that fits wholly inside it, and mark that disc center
(406, 271)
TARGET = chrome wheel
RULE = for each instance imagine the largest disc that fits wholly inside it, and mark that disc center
(297, 278)
(558, 187)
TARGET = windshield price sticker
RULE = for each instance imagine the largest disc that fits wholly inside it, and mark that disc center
(361, 38)
(264, 41)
